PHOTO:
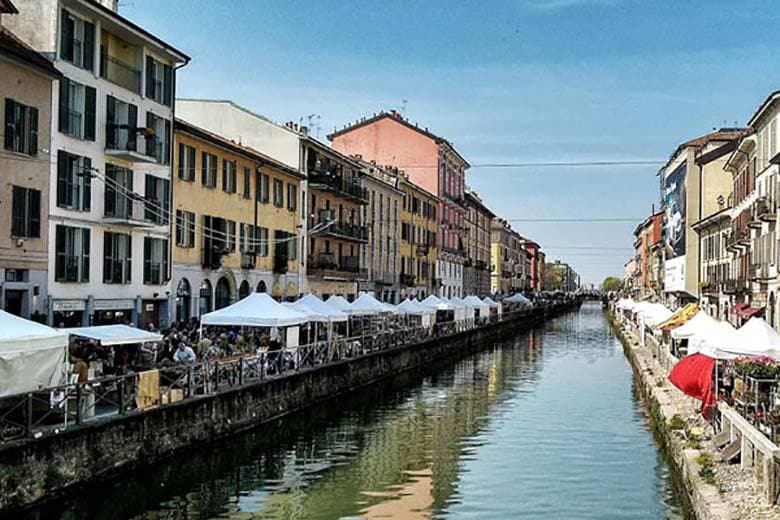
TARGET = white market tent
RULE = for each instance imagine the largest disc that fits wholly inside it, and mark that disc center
(367, 304)
(467, 310)
(711, 342)
(413, 308)
(323, 309)
(344, 306)
(699, 324)
(311, 314)
(518, 298)
(755, 338)
(256, 310)
(493, 304)
(484, 308)
(625, 304)
(436, 303)
(109, 335)
(32, 356)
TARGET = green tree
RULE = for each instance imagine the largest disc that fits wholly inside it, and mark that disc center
(553, 277)
(611, 283)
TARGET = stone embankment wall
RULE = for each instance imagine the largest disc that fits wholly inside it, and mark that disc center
(38, 469)
(703, 485)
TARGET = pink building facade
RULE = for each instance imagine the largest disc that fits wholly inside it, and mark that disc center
(432, 163)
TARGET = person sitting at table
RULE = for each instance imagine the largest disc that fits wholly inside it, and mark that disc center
(184, 354)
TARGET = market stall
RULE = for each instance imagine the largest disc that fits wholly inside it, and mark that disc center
(468, 307)
(32, 356)
(481, 308)
(445, 311)
(519, 299)
(495, 307)
(416, 313)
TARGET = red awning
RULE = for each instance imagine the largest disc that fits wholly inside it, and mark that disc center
(738, 307)
(747, 312)
(693, 375)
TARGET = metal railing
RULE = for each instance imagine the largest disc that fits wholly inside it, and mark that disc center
(49, 411)
(120, 73)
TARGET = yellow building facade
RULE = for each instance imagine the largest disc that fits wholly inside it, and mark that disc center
(236, 223)
(418, 245)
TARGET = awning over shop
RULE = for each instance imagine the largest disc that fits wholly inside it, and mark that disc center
(414, 308)
(436, 303)
(679, 318)
(115, 334)
(321, 308)
(748, 312)
(755, 338)
(700, 323)
(735, 309)
(32, 356)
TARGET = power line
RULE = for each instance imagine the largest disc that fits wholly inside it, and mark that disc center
(633, 220)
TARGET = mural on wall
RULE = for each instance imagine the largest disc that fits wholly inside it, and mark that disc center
(674, 212)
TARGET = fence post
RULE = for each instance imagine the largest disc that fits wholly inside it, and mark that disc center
(29, 415)
(122, 396)
(189, 381)
(241, 371)
(78, 403)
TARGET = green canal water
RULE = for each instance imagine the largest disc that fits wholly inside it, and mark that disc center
(545, 426)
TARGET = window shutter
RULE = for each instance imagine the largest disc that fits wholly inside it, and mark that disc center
(204, 170)
(66, 36)
(166, 202)
(10, 127)
(64, 123)
(87, 173)
(34, 212)
(224, 175)
(129, 259)
(90, 113)
(108, 257)
(191, 163)
(33, 129)
(190, 229)
(180, 169)
(59, 247)
(132, 123)
(213, 171)
(147, 259)
(85, 255)
(89, 46)
(62, 178)
(17, 210)
(167, 143)
(111, 129)
(149, 77)
(166, 275)
(149, 195)
(150, 140)
(167, 85)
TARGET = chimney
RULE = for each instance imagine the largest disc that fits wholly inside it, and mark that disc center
(304, 130)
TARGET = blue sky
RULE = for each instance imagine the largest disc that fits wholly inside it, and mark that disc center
(506, 81)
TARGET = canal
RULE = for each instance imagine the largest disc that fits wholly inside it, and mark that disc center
(547, 425)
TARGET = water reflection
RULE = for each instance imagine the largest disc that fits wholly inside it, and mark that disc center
(545, 425)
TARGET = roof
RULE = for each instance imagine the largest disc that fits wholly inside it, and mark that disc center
(646, 221)
(398, 118)
(768, 102)
(720, 135)
(476, 201)
(232, 146)
(116, 17)
(18, 51)
(328, 150)
(417, 188)
(7, 7)
(717, 153)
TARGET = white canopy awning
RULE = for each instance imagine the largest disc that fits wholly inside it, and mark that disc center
(256, 310)
(32, 356)
(414, 308)
(476, 303)
(625, 303)
(323, 309)
(489, 302)
(519, 299)
(436, 303)
(366, 304)
(755, 338)
(311, 314)
(115, 334)
(699, 324)
(337, 302)
(711, 341)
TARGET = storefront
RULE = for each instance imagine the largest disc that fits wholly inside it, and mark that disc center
(68, 313)
(112, 312)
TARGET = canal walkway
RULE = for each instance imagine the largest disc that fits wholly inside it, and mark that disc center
(542, 424)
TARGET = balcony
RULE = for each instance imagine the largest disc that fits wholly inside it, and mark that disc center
(326, 266)
(734, 286)
(456, 251)
(339, 229)
(124, 210)
(120, 73)
(408, 280)
(123, 143)
(338, 184)
(759, 272)
(422, 250)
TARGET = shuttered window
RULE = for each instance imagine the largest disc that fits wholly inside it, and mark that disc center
(159, 81)
(71, 262)
(78, 111)
(156, 268)
(74, 181)
(158, 200)
(228, 176)
(186, 167)
(26, 212)
(117, 257)
(21, 128)
(208, 172)
(77, 41)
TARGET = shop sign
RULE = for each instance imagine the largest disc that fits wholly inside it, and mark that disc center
(113, 305)
(68, 305)
(149, 307)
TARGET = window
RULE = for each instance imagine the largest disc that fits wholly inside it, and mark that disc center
(74, 181)
(245, 238)
(159, 81)
(247, 182)
(228, 176)
(208, 172)
(26, 213)
(71, 263)
(77, 110)
(121, 125)
(158, 144)
(186, 162)
(262, 187)
(118, 198)
(292, 197)
(158, 200)
(231, 236)
(21, 128)
(77, 41)
(261, 241)
(117, 257)
(185, 228)
(155, 261)
(278, 193)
